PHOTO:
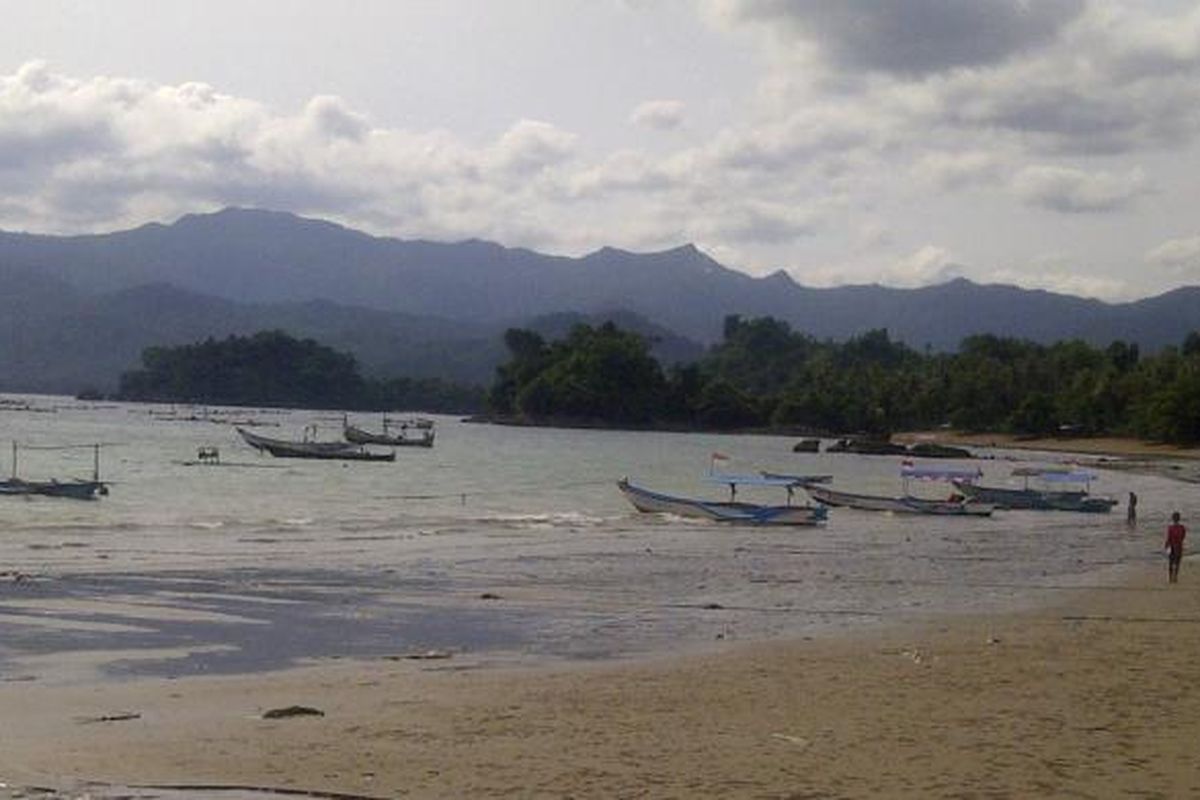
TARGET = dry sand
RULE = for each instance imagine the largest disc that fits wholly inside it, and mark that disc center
(1095, 698)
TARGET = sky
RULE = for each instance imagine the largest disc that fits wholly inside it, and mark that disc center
(1044, 143)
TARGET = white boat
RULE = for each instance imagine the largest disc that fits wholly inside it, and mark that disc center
(732, 510)
(908, 503)
(282, 448)
(1077, 498)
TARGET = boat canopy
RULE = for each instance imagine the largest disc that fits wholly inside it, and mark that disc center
(1067, 477)
(732, 479)
(1038, 472)
(965, 474)
(1056, 474)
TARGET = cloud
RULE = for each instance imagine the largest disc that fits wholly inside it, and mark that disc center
(908, 37)
(1181, 256)
(759, 221)
(1062, 281)
(947, 170)
(530, 146)
(1075, 191)
(663, 115)
(102, 152)
(927, 266)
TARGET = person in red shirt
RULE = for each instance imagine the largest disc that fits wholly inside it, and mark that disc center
(1175, 534)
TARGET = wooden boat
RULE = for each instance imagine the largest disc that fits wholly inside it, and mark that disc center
(74, 489)
(1032, 498)
(903, 504)
(732, 510)
(344, 451)
(908, 503)
(359, 436)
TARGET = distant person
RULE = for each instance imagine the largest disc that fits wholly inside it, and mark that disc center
(1174, 545)
(1131, 513)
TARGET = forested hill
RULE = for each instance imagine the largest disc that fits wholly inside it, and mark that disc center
(765, 375)
(264, 257)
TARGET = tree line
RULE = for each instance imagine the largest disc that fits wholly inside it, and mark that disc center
(765, 375)
(271, 368)
(762, 375)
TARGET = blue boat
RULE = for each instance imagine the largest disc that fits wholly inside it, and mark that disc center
(732, 510)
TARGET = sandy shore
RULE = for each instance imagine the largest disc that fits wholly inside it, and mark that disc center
(1109, 452)
(1096, 697)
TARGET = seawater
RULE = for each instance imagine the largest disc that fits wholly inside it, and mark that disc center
(509, 544)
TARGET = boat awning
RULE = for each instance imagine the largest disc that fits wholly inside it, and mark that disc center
(913, 472)
(1039, 472)
(1067, 477)
(731, 479)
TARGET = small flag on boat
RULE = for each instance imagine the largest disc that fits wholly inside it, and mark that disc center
(719, 457)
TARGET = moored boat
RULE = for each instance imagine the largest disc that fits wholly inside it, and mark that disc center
(357, 435)
(732, 510)
(908, 503)
(282, 448)
(74, 488)
(901, 504)
(1040, 499)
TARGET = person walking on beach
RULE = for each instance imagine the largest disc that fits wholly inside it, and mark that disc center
(1174, 545)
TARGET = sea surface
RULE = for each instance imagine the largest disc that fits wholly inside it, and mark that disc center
(498, 545)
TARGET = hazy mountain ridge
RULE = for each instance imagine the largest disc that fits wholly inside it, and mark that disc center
(438, 308)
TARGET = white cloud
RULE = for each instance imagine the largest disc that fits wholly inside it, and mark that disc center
(759, 222)
(663, 115)
(947, 170)
(530, 146)
(928, 265)
(1063, 282)
(1075, 191)
(1181, 256)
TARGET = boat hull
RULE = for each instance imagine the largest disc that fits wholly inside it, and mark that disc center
(74, 490)
(340, 451)
(1038, 500)
(359, 436)
(649, 501)
(906, 504)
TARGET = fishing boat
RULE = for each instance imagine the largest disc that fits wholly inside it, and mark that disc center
(282, 448)
(732, 510)
(74, 489)
(1029, 497)
(908, 503)
(359, 436)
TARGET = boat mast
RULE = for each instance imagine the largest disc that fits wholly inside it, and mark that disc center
(96, 463)
(14, 464)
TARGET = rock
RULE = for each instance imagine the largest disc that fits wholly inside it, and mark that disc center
(293, 711)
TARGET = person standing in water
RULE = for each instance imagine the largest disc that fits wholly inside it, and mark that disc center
(1131, 516)
(1174, 545)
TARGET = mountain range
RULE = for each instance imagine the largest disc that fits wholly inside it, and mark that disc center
(78, 310)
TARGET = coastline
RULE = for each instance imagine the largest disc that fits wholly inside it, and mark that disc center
(1092, 697)
(1109, 452)
(1089, 694)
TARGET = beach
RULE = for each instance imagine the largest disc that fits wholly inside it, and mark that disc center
(1094, 697)
(358, 633)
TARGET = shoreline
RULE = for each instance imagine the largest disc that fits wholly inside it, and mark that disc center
(1092, 695)
(1121, 454)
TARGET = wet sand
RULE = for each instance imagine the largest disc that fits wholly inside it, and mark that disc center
(1095, 697)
